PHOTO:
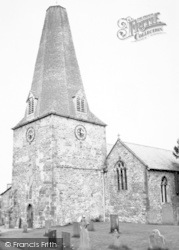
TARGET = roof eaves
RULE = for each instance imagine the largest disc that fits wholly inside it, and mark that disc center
(6, 191)
(54, 113)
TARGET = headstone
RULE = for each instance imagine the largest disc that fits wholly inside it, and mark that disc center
(76, 229)
(84, 239)
(66, 239)
(117, 241)
(167, 214)
(114, 222)
(60, 244)
(156, 240)
(90, 226)
(6, 222)
(52, 236)
(20, 222)
(47, 227)
(177, 215)
(24, 227)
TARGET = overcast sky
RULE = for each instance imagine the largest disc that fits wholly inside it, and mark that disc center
(131, 86)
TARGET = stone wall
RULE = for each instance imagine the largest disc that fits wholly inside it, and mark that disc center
(156, 205)
(6, 204)
(59, 175)
(131, 204)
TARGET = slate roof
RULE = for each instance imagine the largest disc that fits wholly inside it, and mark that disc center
(154, 158)
(57, 76)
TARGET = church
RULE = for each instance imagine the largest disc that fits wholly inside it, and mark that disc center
(62, 166)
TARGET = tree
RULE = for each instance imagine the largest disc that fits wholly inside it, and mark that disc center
(176, 150)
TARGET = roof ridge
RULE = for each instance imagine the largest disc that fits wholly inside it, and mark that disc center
(148, 146)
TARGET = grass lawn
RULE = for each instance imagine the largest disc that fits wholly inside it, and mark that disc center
(133, 235)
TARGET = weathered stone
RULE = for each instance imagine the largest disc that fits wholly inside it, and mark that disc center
(167, 214)
(76, 229)
(156, 240)
(52, 236)
(66, 239)
(91, 226)
(114, 223)
(47, 227)
(25, 226)
(84, 238)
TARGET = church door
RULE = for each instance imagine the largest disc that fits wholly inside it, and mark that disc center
(30, 216)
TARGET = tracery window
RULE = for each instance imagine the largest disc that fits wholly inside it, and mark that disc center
(121, 173)
(164, 189)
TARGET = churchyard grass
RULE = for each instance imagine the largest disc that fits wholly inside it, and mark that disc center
(135, 236)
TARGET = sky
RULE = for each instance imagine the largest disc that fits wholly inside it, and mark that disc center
(130, 85)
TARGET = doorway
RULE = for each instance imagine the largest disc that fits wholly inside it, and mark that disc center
(30, 216)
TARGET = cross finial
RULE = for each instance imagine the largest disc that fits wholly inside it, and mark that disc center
(56, 2)
(118, 136)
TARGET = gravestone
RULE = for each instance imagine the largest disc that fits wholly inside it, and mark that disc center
(91, 226)
(47, 227)
(66, 239)
(6, 222)
(167, 214)
(24, 227)
(76, 229)
(52, 236)
(114, 221)
(177, 211)
(60, 244)
(84, 239)
(116, 241)
(156, 240)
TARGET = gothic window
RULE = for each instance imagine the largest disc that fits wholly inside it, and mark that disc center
(31, 105)
(80, 104)
(164, 189)
(121, 173)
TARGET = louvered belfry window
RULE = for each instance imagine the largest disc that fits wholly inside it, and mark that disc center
(80, 104)
(31, 105)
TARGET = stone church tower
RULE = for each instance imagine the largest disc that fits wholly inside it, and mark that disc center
(59, 146)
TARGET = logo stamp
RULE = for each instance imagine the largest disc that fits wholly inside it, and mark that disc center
(139, 28)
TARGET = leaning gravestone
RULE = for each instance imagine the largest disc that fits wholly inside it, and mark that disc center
(52, 236)
(47, 227)
(66, 239)
(114, 221)
(76, 229)
(156, 240)
(84, 239)
(91, 226)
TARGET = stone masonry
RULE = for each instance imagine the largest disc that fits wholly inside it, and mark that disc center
(64, 174)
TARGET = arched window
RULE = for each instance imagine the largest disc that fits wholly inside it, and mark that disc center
(31, 105)
(80, 104)
(164, 189)
(121, 173)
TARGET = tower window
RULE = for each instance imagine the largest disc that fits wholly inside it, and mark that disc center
(80, 104)
(121, 172)
(31, 105)
(164, 189)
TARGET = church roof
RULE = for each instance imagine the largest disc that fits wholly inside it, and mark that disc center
(57, 79)
(153, 158)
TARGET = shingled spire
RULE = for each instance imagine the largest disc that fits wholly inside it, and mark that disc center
(57, 84)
